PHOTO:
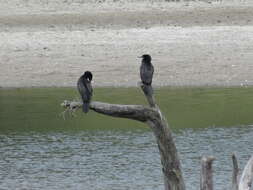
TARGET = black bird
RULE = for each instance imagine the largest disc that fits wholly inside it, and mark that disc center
(146, 69)
(85, 89)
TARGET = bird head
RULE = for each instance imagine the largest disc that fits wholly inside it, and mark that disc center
(146, 58)
(88, 75)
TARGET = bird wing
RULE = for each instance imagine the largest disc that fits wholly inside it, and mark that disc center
(146, 73)
(89, 88)
(83, 89)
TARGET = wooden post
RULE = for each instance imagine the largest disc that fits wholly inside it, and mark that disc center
(206, 178)
(235, 173)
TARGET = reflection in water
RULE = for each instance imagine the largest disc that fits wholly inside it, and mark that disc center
(110, 159)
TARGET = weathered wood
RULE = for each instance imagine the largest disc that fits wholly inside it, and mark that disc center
(247, 176)
(148, 92)
(135, 112)
(235, 173)
(206, 178)
(171, 167)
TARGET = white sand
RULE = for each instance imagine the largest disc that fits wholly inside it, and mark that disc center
(195, 44)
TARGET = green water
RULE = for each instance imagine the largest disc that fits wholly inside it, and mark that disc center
(39, 108)
(39, 149)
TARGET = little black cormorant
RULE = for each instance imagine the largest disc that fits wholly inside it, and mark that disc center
(85, 89)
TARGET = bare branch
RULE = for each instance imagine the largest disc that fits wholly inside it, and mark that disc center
(72, 105)
(206, 179)
(152, 115)
(247, 176)
(148, 92)
(136, 112)
(235, 173)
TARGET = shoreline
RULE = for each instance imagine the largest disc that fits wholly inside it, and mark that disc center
(128, 87)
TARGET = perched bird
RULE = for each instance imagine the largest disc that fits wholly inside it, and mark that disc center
(146, 69)
(85, 89)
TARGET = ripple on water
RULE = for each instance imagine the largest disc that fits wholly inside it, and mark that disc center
(121, 160)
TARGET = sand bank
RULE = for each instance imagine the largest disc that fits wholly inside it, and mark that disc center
(192, 44)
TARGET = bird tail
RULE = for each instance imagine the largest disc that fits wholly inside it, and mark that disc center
(86, 107)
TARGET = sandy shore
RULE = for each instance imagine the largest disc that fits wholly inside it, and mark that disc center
(192, 44)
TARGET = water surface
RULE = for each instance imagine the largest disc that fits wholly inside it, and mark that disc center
(40, 150)
(39, 108)
(114, 159)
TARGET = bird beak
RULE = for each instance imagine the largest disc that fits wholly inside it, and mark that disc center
(139, 57)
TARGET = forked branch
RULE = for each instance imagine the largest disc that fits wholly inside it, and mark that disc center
(171, 167)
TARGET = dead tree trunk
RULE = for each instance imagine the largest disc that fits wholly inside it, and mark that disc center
(247, 176)
(171, 167)
(235, 173)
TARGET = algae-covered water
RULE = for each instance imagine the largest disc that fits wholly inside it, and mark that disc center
(39, 108)
(40, 150)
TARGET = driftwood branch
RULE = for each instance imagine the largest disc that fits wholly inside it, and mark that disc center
(235, 173)
(135, 112)
(247, 176)
(152, 116)
(206, 179)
